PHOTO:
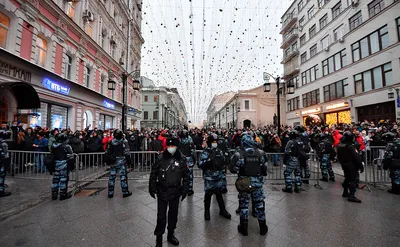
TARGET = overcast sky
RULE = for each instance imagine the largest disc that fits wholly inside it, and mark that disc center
(207, 47)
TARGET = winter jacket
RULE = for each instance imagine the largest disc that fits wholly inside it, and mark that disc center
(77, 145)
(336, 138)
(360, 140)
(94, 144)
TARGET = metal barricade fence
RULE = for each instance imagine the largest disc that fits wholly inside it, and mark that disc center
(28, 164)
(373, 170)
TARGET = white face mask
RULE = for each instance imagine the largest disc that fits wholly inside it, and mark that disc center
(214, 145)
(171, 150)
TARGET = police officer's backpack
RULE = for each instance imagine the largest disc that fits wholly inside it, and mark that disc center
(49, 163)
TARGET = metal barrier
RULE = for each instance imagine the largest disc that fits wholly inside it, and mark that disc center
(28, 164)
(374, 173)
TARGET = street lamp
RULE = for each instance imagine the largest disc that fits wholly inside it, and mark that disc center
(136, 86)
(267, 88)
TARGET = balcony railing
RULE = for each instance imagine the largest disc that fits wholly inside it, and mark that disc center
(289, 37)
(291, 68)
(288, 57)
(288, 22)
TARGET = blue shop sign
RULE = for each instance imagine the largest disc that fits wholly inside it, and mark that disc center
(56, 87)
(108, 105)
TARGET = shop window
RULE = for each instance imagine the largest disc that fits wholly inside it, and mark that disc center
(155, 115)
(355, 21)
(145, 115)
(375, 7)
(336, 10)
(68, 67)
(4, 27)
(71, 9)
(41, 51)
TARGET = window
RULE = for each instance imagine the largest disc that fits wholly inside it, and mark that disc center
(294, 81)
(303, 57)
(155, 115)
(71, 9)
(302, 39)
(155, 98)
(322, 3)
(310, 12)
(102, 78)
(398, 27)
(370, 44)
(302, 21)
(68, 67)
(311, 98)
(293, 104)
(323, 21)
(325, 42)
(146, 98)
(355, 21)
(338, 33)
(145, 115)
(375, 7)
(287, 52)
(313, 50)
(310, 75)
(87, 77)
(312, 31)
(335, 62)
(113, 48)
(336, 10)
(89, 28)
(375, 78)
(4, 26)
(300, 5)
(247, 104)
(103, 40)
(41, 50)
(294, 46)
(336, 90)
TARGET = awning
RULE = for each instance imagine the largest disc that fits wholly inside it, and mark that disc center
(25, 95)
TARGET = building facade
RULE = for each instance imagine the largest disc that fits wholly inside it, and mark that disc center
(66, 51)
(251, 108)
(343, 56)
(161, 106)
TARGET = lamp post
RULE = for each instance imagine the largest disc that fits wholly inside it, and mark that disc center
(219, 120)
(226, 118)
(233, 115)
(136, 86)
(267, 88)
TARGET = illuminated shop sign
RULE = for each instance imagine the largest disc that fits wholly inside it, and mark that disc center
(338, 105)
(311, 111)
(108, 105)
(56, 87)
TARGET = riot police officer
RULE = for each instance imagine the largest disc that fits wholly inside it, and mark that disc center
(293, 153)
(212, 163)
(4, 157)
(169, 179)
(188, 149)
(391, 161)
(351, 163)
(325, 153)
(117, 156)
(304, 137)
(223, 146)
(251, 167)
(62, 157)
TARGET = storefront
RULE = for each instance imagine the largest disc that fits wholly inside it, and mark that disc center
(338, 113)
(310, 116)
(375, 113)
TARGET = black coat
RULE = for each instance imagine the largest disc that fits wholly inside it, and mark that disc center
(156, 186)
(347, 155)
(94, 144)
(77, 145)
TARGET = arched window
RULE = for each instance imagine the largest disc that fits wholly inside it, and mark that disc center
(4, 26)
(41, 51)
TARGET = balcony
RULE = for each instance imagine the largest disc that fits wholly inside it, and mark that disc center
(288, 22)
(289, 37)
(288, 57)
(291, 68)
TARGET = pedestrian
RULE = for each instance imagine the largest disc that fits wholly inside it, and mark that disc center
(169, 180)
(212, 163)
(4, 158)
(62, 157)
(117, 156)
(40, 145)
(351, 164)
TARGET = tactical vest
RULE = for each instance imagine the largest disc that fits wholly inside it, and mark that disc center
(396, 150)
(171, 175)
(118, 150)
(252, 165)
(185, 149)
(59, 153)
(306, 141)
(2, 153)
(324, 147)
(217, 160)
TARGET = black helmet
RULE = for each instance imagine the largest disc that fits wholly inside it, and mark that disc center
(61, 138)
(118, 134)
(348, 137)
(300, 128)
(212, 138)
(388, 137)
(183, 133)
(294, 134)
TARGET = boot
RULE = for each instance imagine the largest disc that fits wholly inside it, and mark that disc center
(306, 181)
(159, 241)
(64, 196)
(172, 239)
(287, 190)
(190, 193)
(324, 179)
(297, 189)
(221, 204)
(242, 228)
(207, 203)
(127, 195)
(345, 190)
(352, 196)
(263, 227)
(224, 190)
(4, 194)
(237, 211)
(395, 189)
(332, 179)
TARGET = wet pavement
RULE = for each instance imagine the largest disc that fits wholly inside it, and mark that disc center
(312, 218)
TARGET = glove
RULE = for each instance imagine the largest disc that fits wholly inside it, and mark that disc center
(152, 194)
(183, 196)
(361, 169)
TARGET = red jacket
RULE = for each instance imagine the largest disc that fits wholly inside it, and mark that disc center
(105, 141)
(336, 137)
(360, 140)
(163, 140)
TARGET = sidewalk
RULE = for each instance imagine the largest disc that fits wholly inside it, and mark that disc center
(312, 218)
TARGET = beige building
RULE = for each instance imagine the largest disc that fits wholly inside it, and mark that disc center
(247, 108)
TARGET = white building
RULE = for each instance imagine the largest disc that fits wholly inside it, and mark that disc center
(343, 57)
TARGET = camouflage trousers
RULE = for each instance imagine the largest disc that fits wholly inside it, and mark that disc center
(326, 166)
(120, 166)
(191, 165)
(395, 176)
(288, 175)
(257, 197)
(2, 177)
(60, 179)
